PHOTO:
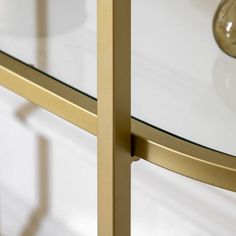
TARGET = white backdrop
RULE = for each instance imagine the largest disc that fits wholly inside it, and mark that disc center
(195, 87)
(163, 203)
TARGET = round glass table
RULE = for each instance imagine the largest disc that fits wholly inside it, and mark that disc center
(181, 82)
(182, 85)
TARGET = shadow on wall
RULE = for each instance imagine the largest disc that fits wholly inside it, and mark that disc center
(39, 213)
(37, 216)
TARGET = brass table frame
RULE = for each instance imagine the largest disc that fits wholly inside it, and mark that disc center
(121, 138)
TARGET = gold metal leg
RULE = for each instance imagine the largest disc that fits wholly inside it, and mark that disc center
(114, 132)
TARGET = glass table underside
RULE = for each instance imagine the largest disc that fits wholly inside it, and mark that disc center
(181, 82)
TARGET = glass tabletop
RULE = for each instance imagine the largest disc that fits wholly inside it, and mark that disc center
(181, 81)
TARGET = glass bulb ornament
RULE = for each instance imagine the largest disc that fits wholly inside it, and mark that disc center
(224, 27)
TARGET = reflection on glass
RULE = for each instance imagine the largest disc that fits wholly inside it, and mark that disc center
(57, 37)
(224, 80)
(224, 26)
(60, 16)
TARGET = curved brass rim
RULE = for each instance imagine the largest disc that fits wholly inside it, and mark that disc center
(153, 145)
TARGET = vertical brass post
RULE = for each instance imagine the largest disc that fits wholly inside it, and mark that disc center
(114, 118)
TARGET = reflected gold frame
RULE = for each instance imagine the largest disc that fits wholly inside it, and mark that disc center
(119, 135)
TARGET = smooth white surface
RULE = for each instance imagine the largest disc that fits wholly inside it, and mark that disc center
(177, 69)
(163, 203)
(181, 82)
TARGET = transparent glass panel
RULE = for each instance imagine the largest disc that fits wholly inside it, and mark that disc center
(181, 81)
(57, 37)
(48, 173)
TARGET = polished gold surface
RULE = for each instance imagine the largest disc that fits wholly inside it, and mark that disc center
(113, 124)
(114, 132)
(224, 27)
(183, 157)
(148, 143)
(41, 89)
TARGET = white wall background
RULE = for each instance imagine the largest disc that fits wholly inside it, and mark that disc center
(163, 203)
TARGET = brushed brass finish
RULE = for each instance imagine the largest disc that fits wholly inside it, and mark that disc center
(119, 135)
(183, 157)
(45, 91)
(148, 143)
(114, 132)
(224, 27)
